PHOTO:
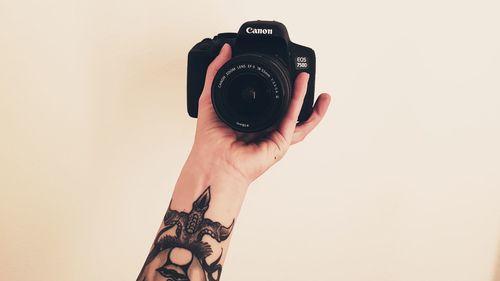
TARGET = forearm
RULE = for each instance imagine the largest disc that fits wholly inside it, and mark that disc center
(194, 235)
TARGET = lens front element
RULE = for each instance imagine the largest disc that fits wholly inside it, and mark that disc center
(251, 92)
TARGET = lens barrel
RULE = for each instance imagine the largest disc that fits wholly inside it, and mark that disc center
(251, 92)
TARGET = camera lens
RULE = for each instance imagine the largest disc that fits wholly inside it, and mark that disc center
(251, 92)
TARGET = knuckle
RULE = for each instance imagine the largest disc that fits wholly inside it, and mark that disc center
(291, 119)
(281, 147)
(212, 69)
(312, 119)
(280, 155)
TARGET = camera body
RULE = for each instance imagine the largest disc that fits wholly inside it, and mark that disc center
(257, 82)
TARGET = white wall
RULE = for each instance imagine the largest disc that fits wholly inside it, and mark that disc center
(401, 182)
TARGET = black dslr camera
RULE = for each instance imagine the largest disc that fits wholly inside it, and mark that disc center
(252, 91)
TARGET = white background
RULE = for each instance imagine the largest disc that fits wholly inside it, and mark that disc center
(401, 182)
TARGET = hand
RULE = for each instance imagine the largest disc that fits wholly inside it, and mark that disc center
(217, 146)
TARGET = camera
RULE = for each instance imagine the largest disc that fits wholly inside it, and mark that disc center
(252, 91)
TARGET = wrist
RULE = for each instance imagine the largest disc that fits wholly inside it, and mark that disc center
(226, 185)
(212, 168)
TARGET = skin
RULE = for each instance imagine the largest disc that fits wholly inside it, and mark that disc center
(229, 161)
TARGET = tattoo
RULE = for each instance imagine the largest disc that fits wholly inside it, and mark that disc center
(186, 242)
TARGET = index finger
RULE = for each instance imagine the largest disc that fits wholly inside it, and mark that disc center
(218, 62)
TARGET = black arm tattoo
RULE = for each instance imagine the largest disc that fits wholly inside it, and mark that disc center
(190, 229)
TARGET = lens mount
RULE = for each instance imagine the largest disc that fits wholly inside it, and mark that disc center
(251, 92)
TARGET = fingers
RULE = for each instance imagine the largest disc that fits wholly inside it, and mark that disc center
(319, 111)
(217, 63)
(287, 125)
